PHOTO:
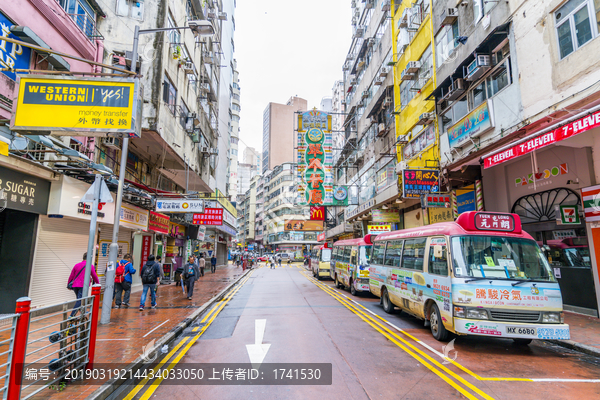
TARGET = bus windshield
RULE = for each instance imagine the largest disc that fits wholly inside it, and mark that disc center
(365, 255)
(499, 257)
(326, 255)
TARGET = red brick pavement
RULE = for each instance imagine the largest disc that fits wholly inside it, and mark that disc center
(584, 329)
(131, 325)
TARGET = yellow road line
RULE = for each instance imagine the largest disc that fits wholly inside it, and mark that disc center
(154, 385)
(376, 325)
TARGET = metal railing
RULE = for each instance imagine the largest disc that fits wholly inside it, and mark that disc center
(7, 338)
(87, 25)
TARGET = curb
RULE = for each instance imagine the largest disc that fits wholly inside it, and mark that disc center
(583, 348)
(109, 387)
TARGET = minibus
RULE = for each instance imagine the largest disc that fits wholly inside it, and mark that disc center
(481, 275)
(350, 264)
(320, 256)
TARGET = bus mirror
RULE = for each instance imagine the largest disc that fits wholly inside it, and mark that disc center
(437, 251)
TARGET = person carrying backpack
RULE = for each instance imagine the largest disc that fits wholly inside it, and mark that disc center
(150, 277)
(123, 281)
(190, 274)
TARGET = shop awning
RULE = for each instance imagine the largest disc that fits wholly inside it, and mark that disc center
(25, 34)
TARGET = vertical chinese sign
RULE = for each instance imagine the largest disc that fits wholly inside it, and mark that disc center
(315, 158)
(146, 249)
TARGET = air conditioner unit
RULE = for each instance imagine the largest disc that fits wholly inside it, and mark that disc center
(370, 4)
(213, 151)
(112, 142)
(211, 14)
(354, 20)
(371, 42)
(188, 67)
(365, 94)
(118, 60)
(401, 166)
(359, 32)
(353, 3)
(404, 18)
(457, 88)
(478, 67)
(204, 149)
(383, 72)
(204, 87)
(386, 5)
(381, 129)
(407, 76)
(413, 66)
(449, 15)
(223, 16)
(378, 81)
(388, 101)
(426, 118)
(209, 59)
(353, 81)
(349, 57)
(417, 86)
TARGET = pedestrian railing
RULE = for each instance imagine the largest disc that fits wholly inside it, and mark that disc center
(7, 337)
(48, 344)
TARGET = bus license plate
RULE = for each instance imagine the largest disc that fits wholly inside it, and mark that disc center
(517, 330)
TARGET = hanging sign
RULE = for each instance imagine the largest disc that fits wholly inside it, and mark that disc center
(179, 206)
(417, 182)
(86, 106)
(299, 225)
(321, 237)
(146, 249)
(211, 216)
(377, 229)
(564, 132)
(591, 203)
(441, 200)
(569, 215)
(159, 223)
(13, 55)
(317, 213)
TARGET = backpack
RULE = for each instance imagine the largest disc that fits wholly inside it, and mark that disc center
(148, 274)
(190, 272)
(120, 273)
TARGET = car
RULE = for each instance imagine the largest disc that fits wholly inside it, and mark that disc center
(263, 258)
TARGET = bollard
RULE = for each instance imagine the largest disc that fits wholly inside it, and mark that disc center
(93, 326)
(17, 362)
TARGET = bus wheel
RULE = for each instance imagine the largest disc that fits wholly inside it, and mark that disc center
(388, 307)
(353, 291)
(522, 342)
(438, 330)
(337, 282)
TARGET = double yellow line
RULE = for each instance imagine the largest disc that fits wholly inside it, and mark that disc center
(212, 314)
(432, 364)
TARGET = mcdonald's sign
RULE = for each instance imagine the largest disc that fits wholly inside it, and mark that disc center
(317, 213)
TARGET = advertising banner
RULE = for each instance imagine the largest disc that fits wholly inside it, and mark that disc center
(211, 216)
(159, 223)
(86, 106)
(386, 215)
(179, 206)
(474, 124)
(299, 225)
(377, 229)
(436, 200)
(321, 237)
(417, 182)
(133, 217)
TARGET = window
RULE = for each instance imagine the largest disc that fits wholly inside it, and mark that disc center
(393, 253)
(132, 9)
(445, 42)
(498, 80)
(478, 96)
(174, 35)
(378, 253)
(438, 257)
(353, 253)
(169, 94)
(414, 254)
(184, 114)
(406, 95)
(575, 25)
(481, 8)
(426, 70)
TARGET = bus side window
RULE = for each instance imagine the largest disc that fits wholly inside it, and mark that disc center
(353, 253)
(378, 253)
(438, 259)
(347, 251)
(414, 254)
(393, 254)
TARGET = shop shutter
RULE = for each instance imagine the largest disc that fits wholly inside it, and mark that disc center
(60, 245)
(106, 232)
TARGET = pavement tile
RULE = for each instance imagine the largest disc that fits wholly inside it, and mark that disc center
(584, 329)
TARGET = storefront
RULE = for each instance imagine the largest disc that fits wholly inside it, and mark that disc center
(542, 199)
(175, 245)
(63, 237)
(23, 201)
(159, 224)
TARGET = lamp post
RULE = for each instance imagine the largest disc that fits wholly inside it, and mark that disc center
(199, 28)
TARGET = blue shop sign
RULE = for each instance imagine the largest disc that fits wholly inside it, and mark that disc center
(466, 202)
(13, 55)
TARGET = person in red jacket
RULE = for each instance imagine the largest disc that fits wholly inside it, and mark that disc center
(77, 276)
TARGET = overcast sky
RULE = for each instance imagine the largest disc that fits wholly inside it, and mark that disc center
(286, 48)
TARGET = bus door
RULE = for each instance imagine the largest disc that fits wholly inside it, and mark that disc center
(353, 264)
(412, 282)
(437, 278)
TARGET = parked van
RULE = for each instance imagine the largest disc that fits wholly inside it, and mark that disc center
(320, 257)
(481, 275)
(350, 264)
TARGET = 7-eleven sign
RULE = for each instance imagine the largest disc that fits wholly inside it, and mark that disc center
(569, 215)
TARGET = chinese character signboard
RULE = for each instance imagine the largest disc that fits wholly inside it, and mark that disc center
(317, 213)
(494, 222)
(417, 182)
(159, 223)
(23, 192)
(133, 217)
(86, 106)
(436, 200)
(377, 229)
(386, 215)
(440, 215)
(211, 216)
(146, 249)
(569, 215)
(179, 206)
(299, 225)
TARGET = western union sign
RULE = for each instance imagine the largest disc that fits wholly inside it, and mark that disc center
(87, 106)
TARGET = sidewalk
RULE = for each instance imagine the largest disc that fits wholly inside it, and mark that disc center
(122, 340)
(585, 334)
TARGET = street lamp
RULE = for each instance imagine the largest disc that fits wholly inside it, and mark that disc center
(199, 28)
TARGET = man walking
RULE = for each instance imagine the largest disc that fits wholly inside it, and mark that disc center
(150, 277)
(279, 260)
(123, 281)
(190, 274)
(201, 264)
(213, 263)
(75, 282)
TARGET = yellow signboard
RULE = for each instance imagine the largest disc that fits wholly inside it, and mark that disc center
(440, 215)
(87, 106)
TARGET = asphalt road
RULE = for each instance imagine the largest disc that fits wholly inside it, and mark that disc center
(372, 355)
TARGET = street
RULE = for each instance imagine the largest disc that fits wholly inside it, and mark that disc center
(373, 354)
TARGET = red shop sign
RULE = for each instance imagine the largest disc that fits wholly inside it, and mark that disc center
(159, 223)
(564, 132)
(494, 222)
(210, 216)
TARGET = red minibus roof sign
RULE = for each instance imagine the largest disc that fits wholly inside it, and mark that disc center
(490, 221)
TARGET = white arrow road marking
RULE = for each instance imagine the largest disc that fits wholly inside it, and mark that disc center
(258, 350)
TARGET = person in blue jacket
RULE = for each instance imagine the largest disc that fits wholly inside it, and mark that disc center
(123, 281)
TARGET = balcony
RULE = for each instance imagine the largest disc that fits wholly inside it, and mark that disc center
(87, 26)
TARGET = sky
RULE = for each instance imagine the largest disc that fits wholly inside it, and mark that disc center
(286, 48)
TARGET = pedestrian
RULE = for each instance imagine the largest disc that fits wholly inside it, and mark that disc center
(75, 282)
(150, 274)
(279, 260)
(123, 281)
(213, 263)
(272, 260)
(162, 273)
(201, 264)
(190, 274)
